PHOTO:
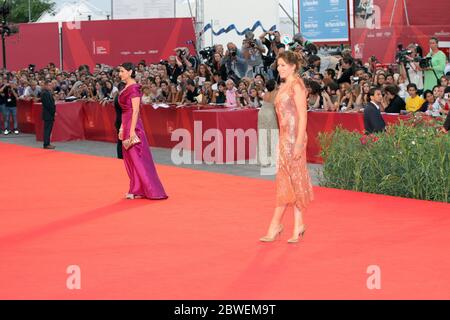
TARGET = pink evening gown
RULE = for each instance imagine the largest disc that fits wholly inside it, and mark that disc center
(144, 180)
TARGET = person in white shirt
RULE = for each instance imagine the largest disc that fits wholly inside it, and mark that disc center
(32, 91)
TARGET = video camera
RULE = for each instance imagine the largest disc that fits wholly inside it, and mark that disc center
(402, 56)
(208, 53)
(425, 63)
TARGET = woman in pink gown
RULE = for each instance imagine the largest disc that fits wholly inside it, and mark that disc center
(144, 180)
(293, 183)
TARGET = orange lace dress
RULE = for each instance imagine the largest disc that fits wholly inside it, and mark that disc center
(293, 183)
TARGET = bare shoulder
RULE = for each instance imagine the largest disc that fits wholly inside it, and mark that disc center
(299, 86)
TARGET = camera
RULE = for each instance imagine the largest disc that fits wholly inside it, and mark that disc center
(294, 45)
(181, 53)
(425, 63)
(402, 56)
(207, 53)
(355, 79)
(164, 62)
(31, 67)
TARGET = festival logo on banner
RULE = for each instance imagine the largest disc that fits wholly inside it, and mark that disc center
(101, 47)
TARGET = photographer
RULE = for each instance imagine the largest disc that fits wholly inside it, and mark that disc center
(184, 56)
(273, 44)
(174, 69)
(10, 97)
(345, 70)
(253, 51)
(436, 67)
(410, 68)
(234, 61)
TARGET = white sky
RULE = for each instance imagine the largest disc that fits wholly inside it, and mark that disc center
(106, 4)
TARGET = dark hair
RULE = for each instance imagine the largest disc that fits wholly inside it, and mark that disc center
(435, 39)
(373, 90)
(331, 73)
(262, 76)
(427, 92)
(313, 59)
(129, 67)
(334, 86)
(411, 85)
(358, 69)
(121, 85)
(311, 47)
(437, 86)
(315, 87)
(190, 82)
(347, 60)
(392, 89)
(271, 85)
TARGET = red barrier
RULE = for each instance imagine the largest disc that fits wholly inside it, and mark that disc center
(328, 121)
(68, 121)
(25, 116)
(246, 121)
(99, 122)
(92, 121)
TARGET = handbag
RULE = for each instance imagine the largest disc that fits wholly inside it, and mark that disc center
(127, 144)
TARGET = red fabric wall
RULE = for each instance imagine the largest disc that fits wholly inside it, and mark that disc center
(117, 41)
(36, 43)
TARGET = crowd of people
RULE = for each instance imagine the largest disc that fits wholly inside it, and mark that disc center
(238, 77)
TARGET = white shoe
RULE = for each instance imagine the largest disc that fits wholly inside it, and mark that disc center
(6, 132)
(16, 131)
(131, 196)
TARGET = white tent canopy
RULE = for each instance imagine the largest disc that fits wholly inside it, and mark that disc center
(74, 11)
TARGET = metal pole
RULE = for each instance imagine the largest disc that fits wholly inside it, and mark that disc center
(293, 18)
(112, 9)
(393, 11)
(289, 16)
(406, 12)
(174, 8)
(4, 50)
(29, 10)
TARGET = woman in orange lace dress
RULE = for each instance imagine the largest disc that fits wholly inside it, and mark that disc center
(293, 183)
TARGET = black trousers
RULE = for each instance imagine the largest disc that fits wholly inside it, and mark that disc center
(48, 126)
(119, 149)
(119, 143)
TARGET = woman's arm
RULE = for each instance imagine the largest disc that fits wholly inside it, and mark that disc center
(317, 103)
(136, 105)
(302, 113)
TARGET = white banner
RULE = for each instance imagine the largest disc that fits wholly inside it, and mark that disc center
(143, 9)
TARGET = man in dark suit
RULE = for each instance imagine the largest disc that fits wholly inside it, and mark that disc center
(118, 122)
(48, 112)
(373, 121)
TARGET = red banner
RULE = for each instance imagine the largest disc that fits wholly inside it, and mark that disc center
(388, 13)
(36, 43)
(383, 43)
(113, 42)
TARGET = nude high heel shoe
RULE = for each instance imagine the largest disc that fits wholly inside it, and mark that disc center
(300, 234)
(272, 239)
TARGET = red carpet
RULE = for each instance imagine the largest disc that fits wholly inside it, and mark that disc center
(59, 209)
